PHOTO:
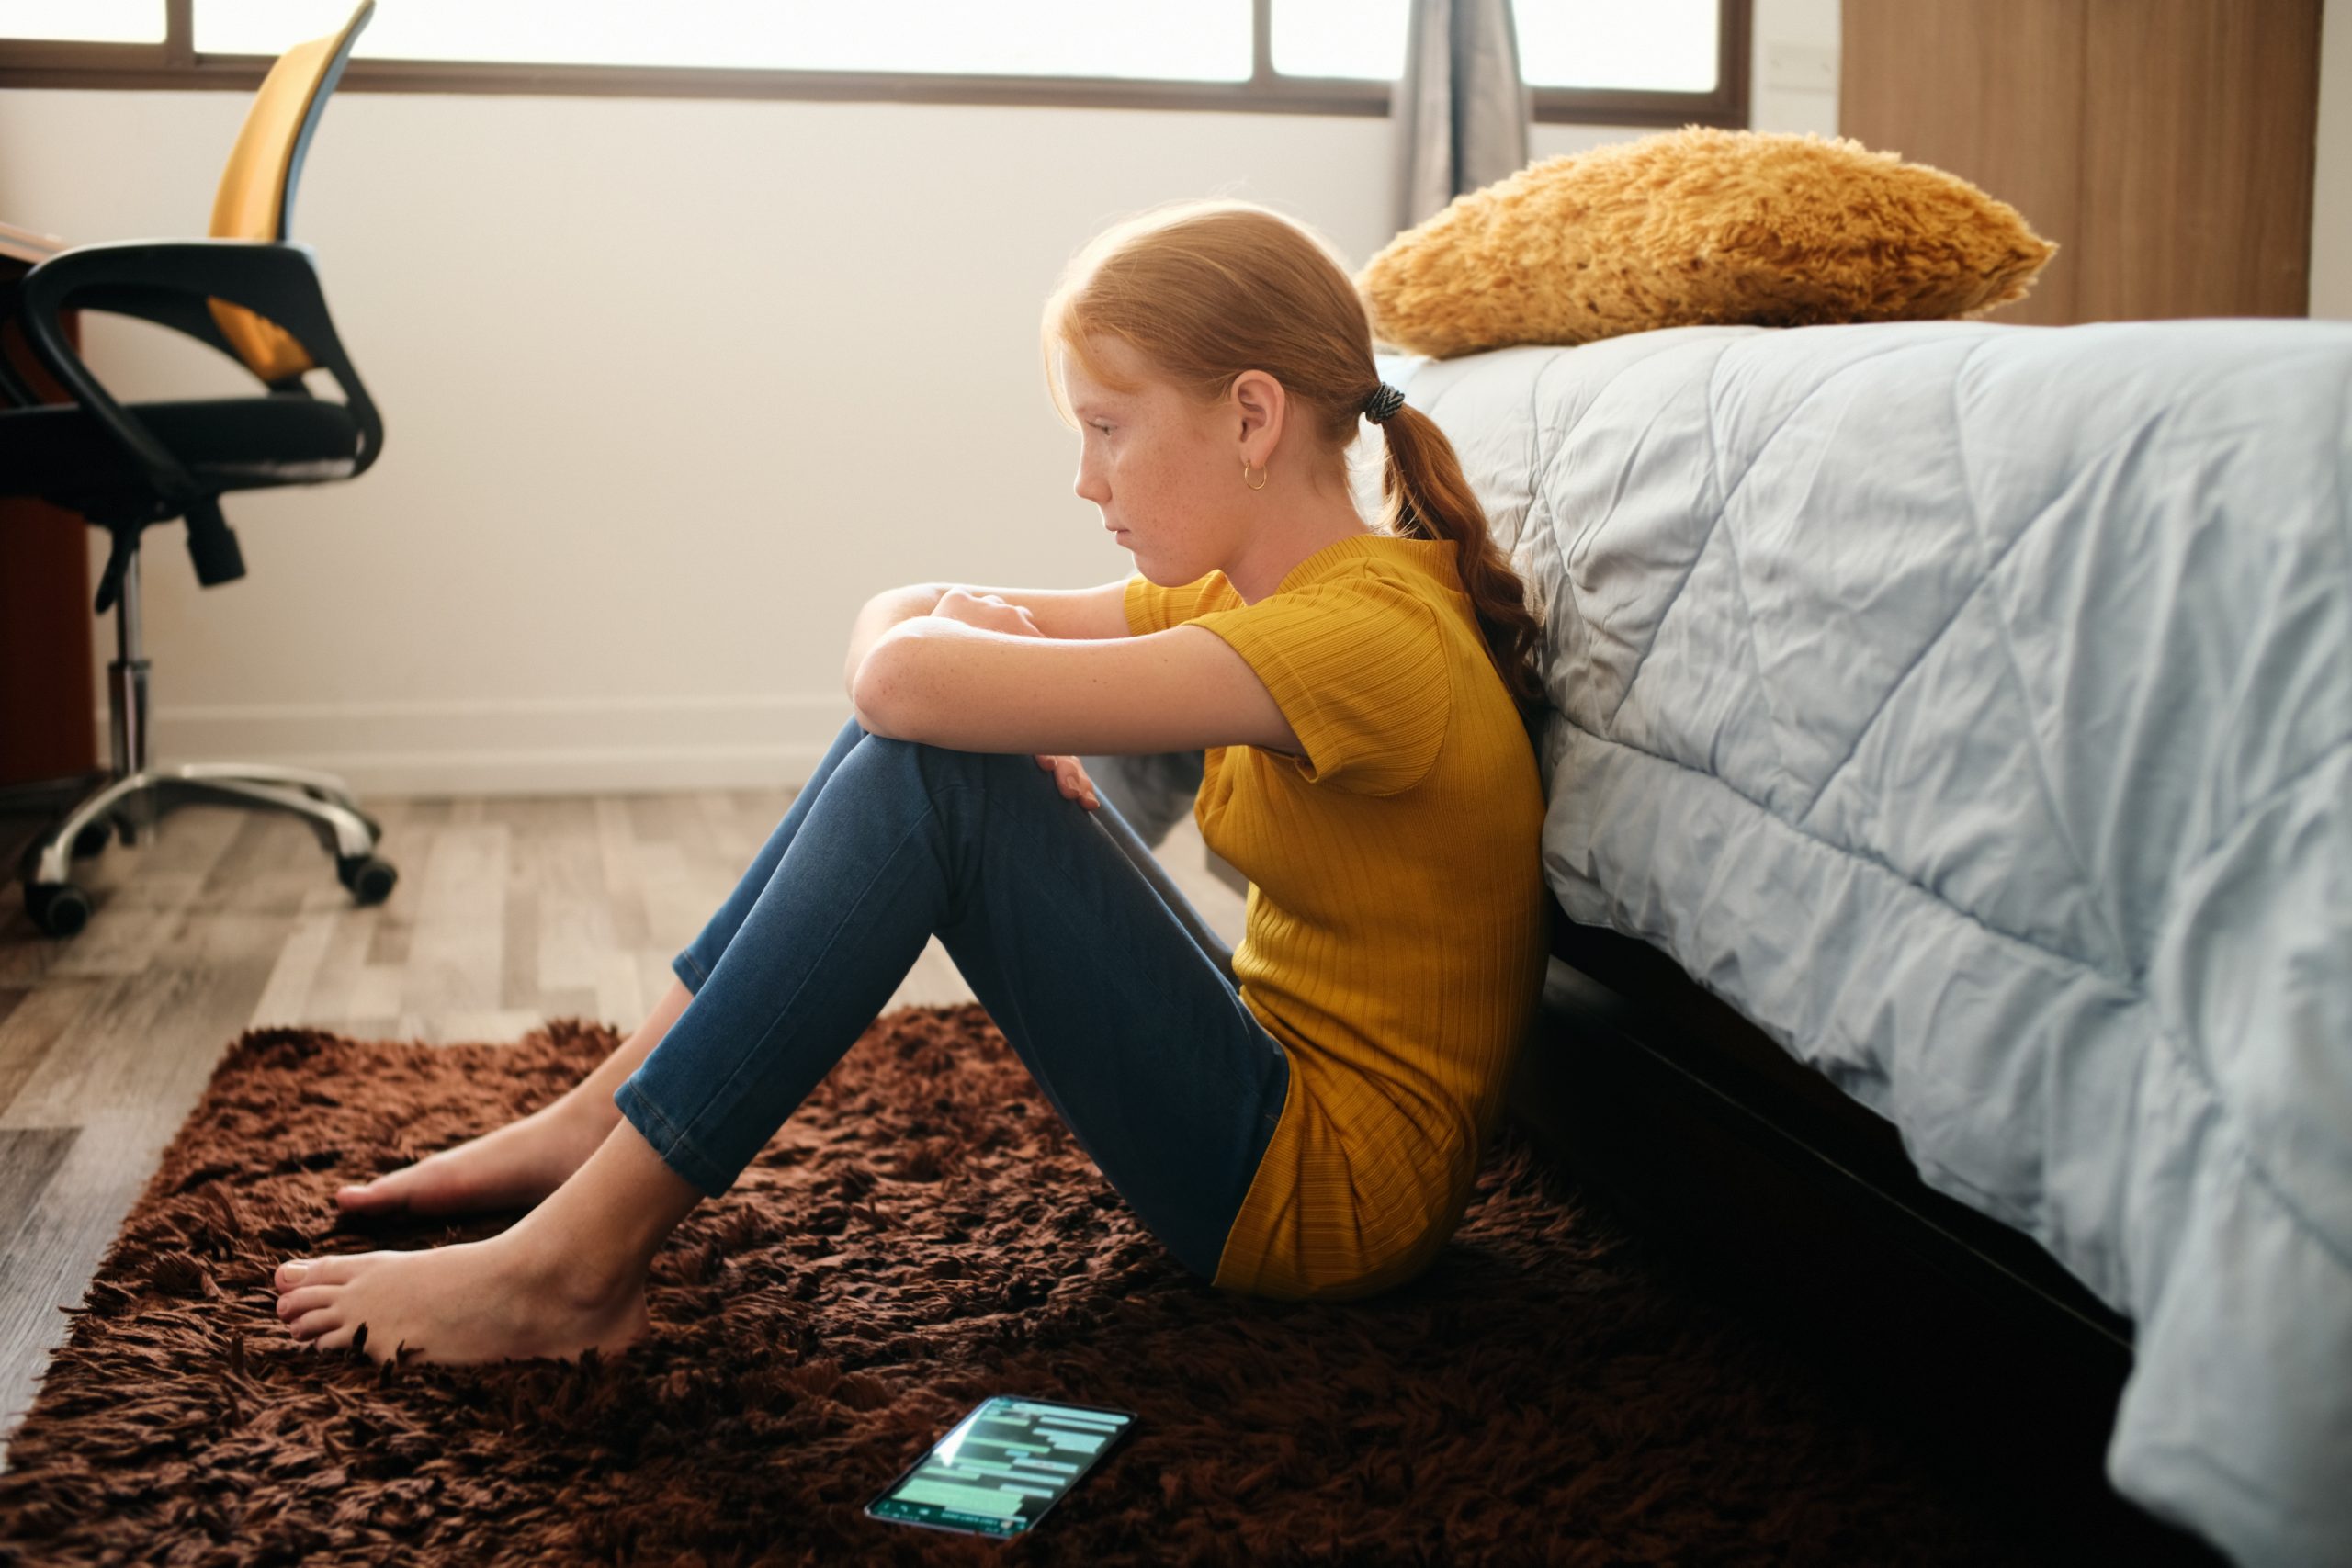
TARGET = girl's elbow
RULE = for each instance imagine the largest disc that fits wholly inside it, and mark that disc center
(872, 716)
(874, 704)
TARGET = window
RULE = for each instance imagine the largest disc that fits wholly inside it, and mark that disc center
(104, 21)
(1183, 39)
(1660, 45)
(1608, 62)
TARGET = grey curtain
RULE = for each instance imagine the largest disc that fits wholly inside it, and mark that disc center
(1462, 107)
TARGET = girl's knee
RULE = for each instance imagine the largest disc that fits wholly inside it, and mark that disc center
(900, 750)
(935, 765)
(1005, 775)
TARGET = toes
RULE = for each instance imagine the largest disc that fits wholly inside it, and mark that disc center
(368, 1197)
(316, 1323)
(294, 1303)
(339, 1336)
(298, 1272)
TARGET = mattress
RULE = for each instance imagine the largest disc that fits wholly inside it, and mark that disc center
(1969, 706)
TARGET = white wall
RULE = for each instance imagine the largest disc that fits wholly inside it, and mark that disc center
(2332, 182)
(670, 387)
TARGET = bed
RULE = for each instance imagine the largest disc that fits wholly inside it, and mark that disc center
(1951, 734)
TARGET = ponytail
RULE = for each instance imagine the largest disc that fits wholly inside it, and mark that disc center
(1424, 496)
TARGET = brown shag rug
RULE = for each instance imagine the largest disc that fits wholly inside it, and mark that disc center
(923, 1233)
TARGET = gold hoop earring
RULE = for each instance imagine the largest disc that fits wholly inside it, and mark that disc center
(1268, 472)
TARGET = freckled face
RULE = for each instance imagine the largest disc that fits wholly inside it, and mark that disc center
(1153, 464)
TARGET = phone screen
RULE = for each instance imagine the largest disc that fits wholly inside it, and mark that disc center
(1003, 1466)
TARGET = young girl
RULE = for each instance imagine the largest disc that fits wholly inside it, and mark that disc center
(1301, 1117)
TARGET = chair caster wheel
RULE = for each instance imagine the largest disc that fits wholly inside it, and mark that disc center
(369, 879)
(93, 840)
(58, 908)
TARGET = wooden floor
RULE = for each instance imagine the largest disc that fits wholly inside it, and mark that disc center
(509, 911)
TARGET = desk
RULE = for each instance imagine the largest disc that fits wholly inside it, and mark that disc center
(47, 672)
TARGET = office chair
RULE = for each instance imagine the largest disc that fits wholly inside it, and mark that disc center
(250, 293)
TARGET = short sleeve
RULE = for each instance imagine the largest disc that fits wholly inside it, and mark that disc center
(1358, 666)
(1151, 608)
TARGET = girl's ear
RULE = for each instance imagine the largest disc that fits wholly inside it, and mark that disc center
(1260, 401)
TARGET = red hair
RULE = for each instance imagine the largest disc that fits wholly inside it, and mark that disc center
(1204, 290)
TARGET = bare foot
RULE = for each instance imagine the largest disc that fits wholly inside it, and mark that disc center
(512, 1167)
(482, 1301)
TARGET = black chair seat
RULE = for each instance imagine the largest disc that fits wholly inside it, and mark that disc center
(62, 451)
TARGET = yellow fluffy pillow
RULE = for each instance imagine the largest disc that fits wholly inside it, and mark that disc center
(1698, 225)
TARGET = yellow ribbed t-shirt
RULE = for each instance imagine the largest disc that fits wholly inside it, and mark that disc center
(1396, 924)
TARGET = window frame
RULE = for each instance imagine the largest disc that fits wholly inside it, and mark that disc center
(175, 64)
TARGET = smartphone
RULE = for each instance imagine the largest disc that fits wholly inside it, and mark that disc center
(1003, 1466)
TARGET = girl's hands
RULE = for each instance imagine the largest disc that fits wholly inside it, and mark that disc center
(986, 611)
(991, 613)
(1075, 784)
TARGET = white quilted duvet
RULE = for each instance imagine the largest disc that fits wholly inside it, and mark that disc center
(1971, 706)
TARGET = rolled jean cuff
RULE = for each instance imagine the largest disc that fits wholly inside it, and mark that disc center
(677, 1151)
(689, 973)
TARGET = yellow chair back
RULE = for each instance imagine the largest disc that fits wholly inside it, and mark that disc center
(257, 189)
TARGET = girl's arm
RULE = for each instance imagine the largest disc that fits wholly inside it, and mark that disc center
(1070, 613)
(885, 610)
(951, 683)
(1076, 613)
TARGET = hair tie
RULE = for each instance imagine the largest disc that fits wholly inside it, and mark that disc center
(1383, 402)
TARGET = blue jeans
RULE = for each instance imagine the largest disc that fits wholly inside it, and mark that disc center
(1098, 971)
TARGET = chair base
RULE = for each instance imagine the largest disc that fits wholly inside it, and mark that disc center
(132, 806)
(132, 798)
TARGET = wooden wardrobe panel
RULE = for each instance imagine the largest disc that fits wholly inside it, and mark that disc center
(1990, 90)
(2165, 145)
(2198, 158)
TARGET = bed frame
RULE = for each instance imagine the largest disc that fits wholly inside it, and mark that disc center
(1774, 1191)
